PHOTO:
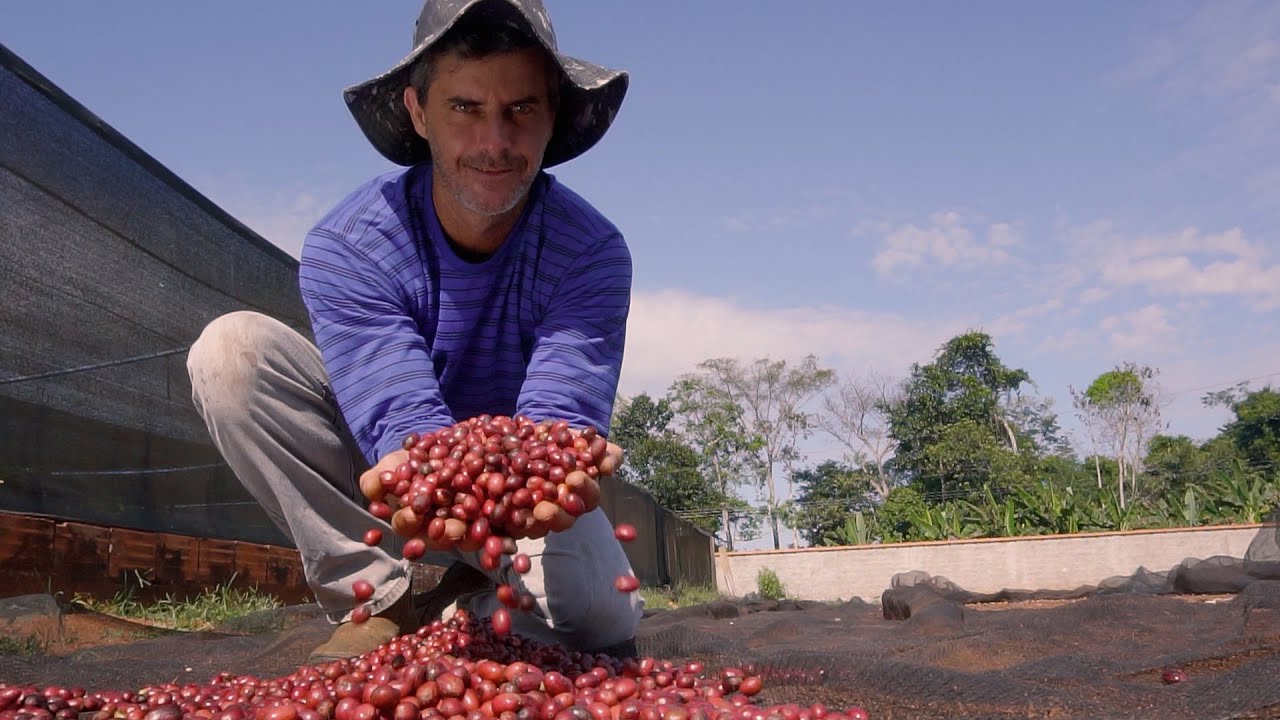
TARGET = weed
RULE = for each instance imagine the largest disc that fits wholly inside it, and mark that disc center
(206, 610)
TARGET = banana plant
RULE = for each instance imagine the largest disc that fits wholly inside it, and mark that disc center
(1242, 495)
(855, 531)
(1185, 511)
(943, 522)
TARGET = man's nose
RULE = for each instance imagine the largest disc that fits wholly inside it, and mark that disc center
(497, 132)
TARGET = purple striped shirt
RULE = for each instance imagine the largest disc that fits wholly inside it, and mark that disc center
(415, 338)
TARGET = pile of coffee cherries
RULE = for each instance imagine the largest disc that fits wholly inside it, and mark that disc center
(480, 485)
(452, 670)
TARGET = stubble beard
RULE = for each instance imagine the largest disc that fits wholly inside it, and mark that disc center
(449, 177)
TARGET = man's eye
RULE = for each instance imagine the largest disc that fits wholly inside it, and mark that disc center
(522, 108)
(463, 107)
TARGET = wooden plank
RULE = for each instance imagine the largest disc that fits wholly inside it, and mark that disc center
(217, 562)
(26, 553)
(133, 556)
(178, 560)
(251, 564)
(82, 554)
(286, 579)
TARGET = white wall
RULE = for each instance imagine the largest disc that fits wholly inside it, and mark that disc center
(1045, 562)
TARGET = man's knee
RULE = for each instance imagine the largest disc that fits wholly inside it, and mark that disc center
(225, 359)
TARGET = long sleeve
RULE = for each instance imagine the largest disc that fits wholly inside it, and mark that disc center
(378, 361)
(578, 347)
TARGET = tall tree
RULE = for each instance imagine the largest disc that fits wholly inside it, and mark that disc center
(855, 413)
(952, 424)
(829, 495)
(1123, 408)
(658, 461)
(773, 397)
(714, 426)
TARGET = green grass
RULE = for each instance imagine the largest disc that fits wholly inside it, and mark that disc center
(206, 610)
(679, 595)
(29, 645)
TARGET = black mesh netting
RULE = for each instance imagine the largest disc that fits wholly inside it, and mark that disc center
(929, 651)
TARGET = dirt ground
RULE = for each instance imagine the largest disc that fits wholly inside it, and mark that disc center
(1094, 657)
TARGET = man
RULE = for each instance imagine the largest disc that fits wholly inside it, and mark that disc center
(469, 283)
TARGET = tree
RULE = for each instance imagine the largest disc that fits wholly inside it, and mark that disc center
(952, 425)
(1035, 418)
(772, 398)
(658, 461)
(713, 425)
(855, 414)
(1122, 406)
(1255, 431)
(828, 496)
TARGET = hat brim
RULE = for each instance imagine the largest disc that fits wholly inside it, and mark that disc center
(590, 97)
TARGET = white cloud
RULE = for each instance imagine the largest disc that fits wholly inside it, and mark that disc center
(1093, 295)
(1187, 263)
(945, 240)
(1017, 322)
(1145, 329)
(671, 331)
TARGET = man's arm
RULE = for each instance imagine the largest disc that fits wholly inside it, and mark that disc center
(577, 352)
(377, 359)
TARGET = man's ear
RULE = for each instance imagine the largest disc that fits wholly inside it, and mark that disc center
(416, 112)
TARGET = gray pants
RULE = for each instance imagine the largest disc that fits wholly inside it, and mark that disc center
(264, 393)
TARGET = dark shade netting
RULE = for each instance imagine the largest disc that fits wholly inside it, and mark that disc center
(930, 651)
(110, 267)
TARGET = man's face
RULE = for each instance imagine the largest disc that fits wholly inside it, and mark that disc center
(488, 121)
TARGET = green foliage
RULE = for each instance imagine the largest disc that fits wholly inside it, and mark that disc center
(1256, 430)
(951, 425)
(659, 461)
(210, 608)
(944, 521)
(678, 595)
(1242, 494)
(894, 518)
(769, 586)
(826, 497)
(28, 645)
(855, 531)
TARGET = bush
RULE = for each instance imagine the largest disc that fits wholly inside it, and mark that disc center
(769, 586)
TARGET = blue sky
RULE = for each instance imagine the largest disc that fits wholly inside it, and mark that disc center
(1090, 182)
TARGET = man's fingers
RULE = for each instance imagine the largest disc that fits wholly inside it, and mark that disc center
(552, 517)
(611, 461)
(585, 487)
(371, 486)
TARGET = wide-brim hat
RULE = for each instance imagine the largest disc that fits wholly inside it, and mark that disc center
(590, 94)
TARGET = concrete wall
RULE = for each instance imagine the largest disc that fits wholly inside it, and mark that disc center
(1047, 562)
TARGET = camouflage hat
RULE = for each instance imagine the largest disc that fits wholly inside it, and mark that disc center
(590, 95)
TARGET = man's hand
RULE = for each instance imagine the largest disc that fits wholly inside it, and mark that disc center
(548, 516)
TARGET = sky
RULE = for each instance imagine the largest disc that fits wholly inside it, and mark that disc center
(1090, 182)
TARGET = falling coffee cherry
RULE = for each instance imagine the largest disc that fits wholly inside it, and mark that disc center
(362, 590)
(627, 583)
(360, 614)
(521, 563)
(625, 532)
(373, 537)
(501, 622)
